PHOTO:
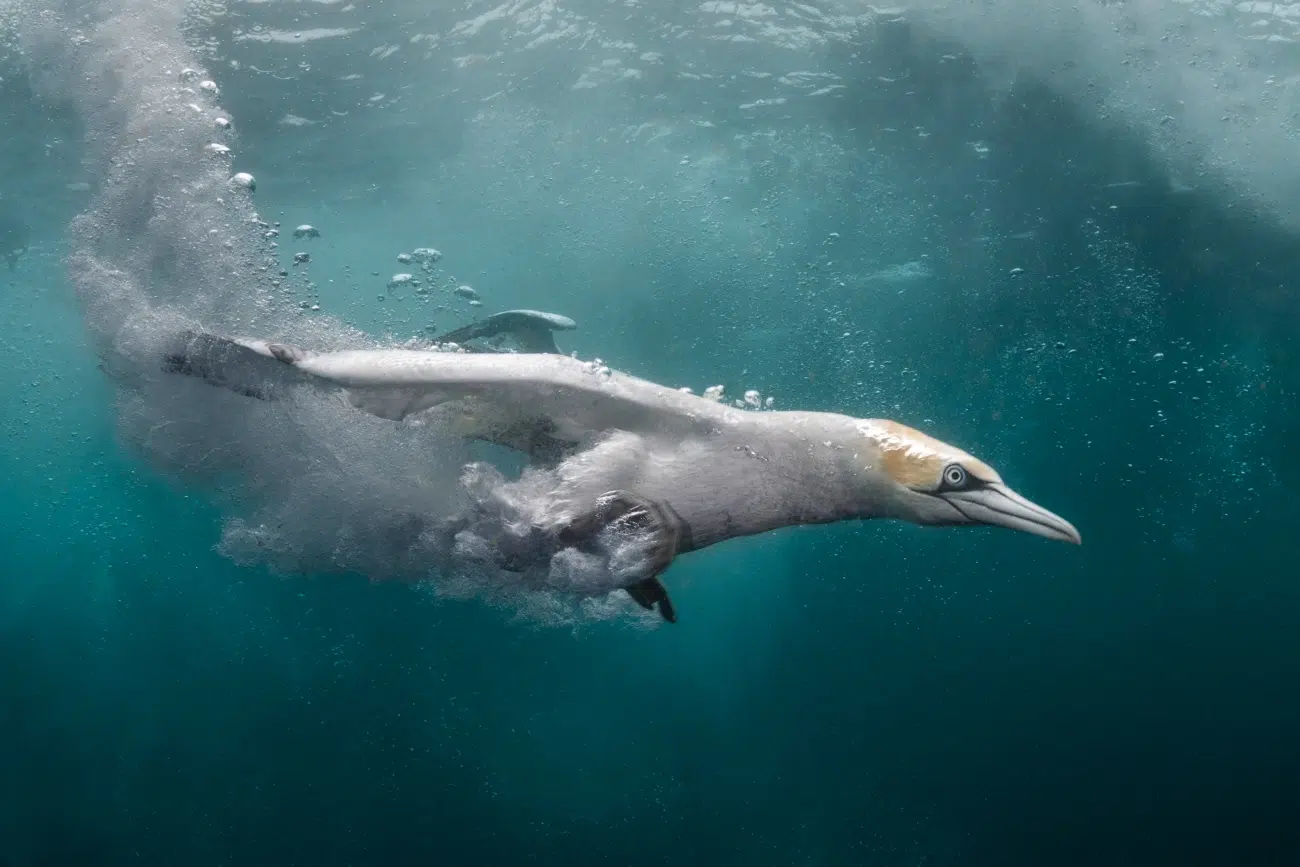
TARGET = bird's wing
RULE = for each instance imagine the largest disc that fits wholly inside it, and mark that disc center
(657, 474)
(515, 396)
(531, 329)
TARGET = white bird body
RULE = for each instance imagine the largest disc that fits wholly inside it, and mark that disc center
(687, 470)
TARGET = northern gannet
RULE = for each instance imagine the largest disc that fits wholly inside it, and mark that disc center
(680, 471)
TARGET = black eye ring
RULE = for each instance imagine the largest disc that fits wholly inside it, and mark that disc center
(954, 476)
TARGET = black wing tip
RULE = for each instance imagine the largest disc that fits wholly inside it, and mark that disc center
(466, 332)
(220, 361)
(188, 352)
(532, 329)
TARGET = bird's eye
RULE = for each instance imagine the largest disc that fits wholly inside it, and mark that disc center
(954, 476)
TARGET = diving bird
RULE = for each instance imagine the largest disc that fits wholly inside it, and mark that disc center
(680, 471)
(531, 329)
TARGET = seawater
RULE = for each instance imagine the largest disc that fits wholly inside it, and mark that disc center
(1060, 237)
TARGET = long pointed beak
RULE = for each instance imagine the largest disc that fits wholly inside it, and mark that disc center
(999, 506)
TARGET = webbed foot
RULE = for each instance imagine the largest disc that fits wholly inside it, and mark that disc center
(635, 514)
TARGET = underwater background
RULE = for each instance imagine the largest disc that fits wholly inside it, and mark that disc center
(1062, 236)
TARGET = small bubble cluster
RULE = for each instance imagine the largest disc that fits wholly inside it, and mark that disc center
(596, 366)
(752, 399)
(428, 279)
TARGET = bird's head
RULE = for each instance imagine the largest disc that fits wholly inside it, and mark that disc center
(932, 483)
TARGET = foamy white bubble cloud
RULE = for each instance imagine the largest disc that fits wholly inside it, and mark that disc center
(167, 243)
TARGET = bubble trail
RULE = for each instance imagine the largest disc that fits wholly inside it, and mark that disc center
(170, 242)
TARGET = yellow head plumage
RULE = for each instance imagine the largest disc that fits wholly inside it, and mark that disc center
(918, 461)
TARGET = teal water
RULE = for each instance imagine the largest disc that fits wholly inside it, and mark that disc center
(860, 693)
